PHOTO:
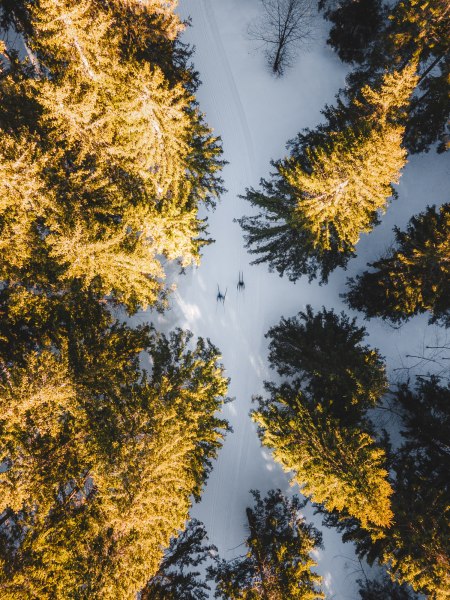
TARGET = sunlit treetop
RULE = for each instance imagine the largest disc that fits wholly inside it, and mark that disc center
(118, 155)
(102, 458)
(342, 183)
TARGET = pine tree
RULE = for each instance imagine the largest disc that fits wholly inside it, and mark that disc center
(119, 155)
(102, 457)
(355, 26)
(336, 466)
(175, 579)
(348, 179)
(316, 421)
(414, 276)
(415, 550)
(104, 160)
(278, 563)
(418, 550)
(274, 235)
(322, 354)
(377, 37)
(334, 185)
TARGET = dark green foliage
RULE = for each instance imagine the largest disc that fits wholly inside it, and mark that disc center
(334, 184)
(104, 161)
(102, 205)
(324, 356)
(315, 421)
(102, 456)
(355, 26)
(426, 418)
(278, 239)
(384, 589)
(416, 548)
(176, 579)
(429, 113)
(414, 277)
(379, 38)
(278, 561)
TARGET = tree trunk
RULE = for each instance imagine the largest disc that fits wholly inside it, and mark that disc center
(277, 62)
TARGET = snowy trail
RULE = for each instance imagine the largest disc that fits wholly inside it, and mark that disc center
(255, 115)
(228, 326)
(245, 131)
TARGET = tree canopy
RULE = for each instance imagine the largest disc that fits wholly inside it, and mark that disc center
(110, 149)
(315, 422)
(107, 432)
(414, 275)
(415, 550)
(278, 563)
(102, 458)
(335, 183)
(375, 36)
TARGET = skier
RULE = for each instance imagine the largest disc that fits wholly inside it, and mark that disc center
(221, 297)
(241, 285)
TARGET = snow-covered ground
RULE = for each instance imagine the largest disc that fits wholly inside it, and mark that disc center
(255, 114)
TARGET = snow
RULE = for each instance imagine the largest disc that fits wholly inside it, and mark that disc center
(255, 114)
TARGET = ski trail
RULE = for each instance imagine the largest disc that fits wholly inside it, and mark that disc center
(209, 13)
(242, 434)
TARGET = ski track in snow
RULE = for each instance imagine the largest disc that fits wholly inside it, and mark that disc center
(246, 137)
(255, 115)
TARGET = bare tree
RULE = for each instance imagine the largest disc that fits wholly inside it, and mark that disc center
(282, 28)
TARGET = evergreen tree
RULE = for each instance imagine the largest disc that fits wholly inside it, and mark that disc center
(419, 29)
(316, 422)
(429, 112)
(413, 277)
(416, 547)
(323, 355)
(118, 156)
(376, 37)
(333, 186)
(418, 550)
(348, 179)
(175, 580)
(104, 160)
(337, 466)
(274, 235)
(278, 563)
(356, 25)
(101, 456)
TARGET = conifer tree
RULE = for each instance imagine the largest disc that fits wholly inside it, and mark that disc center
(278, 563)
(355, 26)
(315, 421)
(104, 160)
(175, 579)
(102, 457)
(322, 353)
(413, 277)
(334, 185)
(337, 466)
(416, 549)
(348, 179)
(118, 156)
(376, 37)
(275, 237)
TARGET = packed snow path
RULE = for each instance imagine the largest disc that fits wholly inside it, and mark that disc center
(255, 115)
